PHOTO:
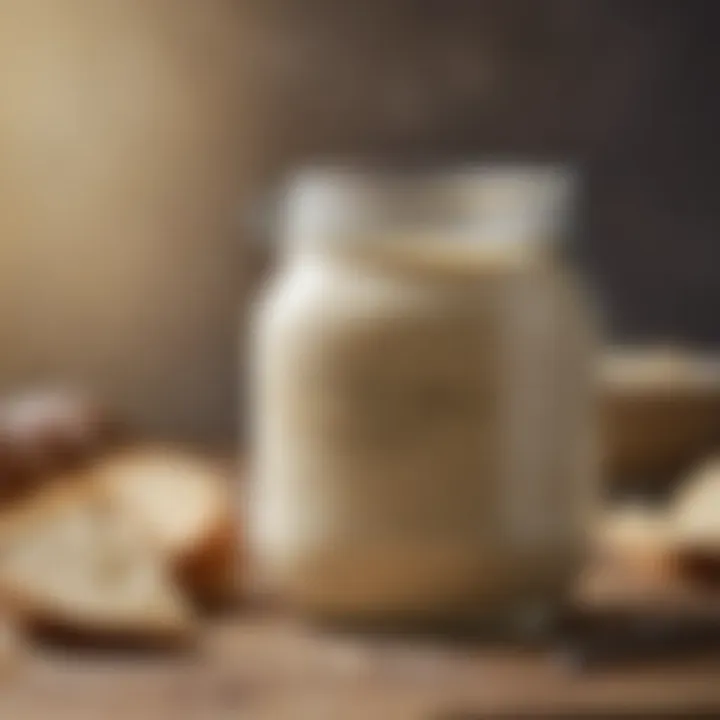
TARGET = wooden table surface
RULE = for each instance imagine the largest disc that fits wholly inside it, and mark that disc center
(260, 666)
(256, 664)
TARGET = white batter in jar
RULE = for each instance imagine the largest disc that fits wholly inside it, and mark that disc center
(424, 409)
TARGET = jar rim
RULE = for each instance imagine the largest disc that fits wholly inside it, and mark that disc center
(518, 202)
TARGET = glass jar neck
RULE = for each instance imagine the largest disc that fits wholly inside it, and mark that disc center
(494, 213)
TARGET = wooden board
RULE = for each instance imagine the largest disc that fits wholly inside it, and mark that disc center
(260, 666)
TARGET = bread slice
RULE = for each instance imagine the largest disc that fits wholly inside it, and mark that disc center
(696, 519)
(185, 501)
(74, 564)
(635, 540)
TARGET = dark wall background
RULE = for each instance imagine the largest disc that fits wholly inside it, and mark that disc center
(626, 88)
(133, 131)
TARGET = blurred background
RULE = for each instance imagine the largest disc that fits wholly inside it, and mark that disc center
(136, 135)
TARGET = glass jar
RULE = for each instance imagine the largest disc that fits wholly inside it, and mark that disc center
(424, 399)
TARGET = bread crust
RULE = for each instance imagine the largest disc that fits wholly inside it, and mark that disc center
(205, 560)
(696, 515)
(40, 613)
